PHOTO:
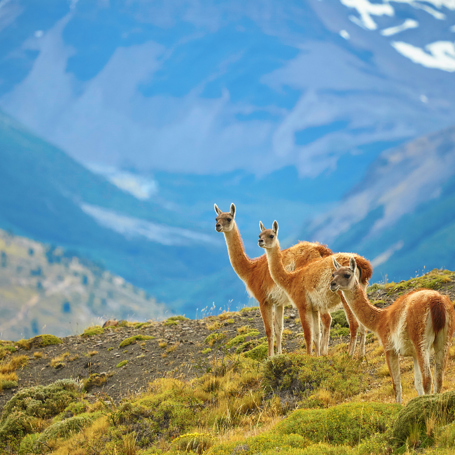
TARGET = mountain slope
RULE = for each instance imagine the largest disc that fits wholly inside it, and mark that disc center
(401, 215)
(47, 196)
(46, 289)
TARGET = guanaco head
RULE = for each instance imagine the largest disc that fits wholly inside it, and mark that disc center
(224, 220)
(343, 278)
(268, 237)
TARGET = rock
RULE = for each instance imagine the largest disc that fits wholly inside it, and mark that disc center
(110, 323)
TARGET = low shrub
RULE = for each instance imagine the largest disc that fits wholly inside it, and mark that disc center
(339, 319)
(92, 331)
(261, 444)
(134, 339)
(344, 424)
(192, 442)
(416, 414)
(258, 353)
(23, 410)
(300, 376)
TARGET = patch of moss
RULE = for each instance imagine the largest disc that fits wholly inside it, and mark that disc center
(92, 331)
(344, 424)
(241, 338)
(247, 309)
(171, 323)
(261, 444)
(177, 318)
(122, 363)
(431, 280)
(133, 339)
(341, 332)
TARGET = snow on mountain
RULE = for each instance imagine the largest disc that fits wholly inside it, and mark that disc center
(262, 86)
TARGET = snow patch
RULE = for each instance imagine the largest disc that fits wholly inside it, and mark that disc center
(366, 10)
(440, 55)
(139, 186)
(135, 227)
(406, 25)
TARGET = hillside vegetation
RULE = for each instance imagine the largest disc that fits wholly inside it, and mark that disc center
(46, 289)
(205, 386)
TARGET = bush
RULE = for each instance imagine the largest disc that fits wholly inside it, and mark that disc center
(339, 318)
(92, 331)
(440, 407)
(302, 376)
(65, 428)
(258, 353)
(22, 413)
(193, 442)
(345, 424)
(260, 444)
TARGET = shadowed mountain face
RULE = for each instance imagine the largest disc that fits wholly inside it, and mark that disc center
(401, 215)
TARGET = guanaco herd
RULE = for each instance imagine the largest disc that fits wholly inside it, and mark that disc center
(317, 281)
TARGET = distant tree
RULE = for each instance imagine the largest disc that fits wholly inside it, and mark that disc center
(66, 307)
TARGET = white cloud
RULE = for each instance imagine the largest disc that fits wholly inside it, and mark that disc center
(440, 55)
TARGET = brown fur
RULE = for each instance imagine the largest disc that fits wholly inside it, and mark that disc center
(255, 273)
(404, 328)
(308, 289)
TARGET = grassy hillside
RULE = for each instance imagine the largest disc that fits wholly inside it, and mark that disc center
(205, 386)
(43, 288)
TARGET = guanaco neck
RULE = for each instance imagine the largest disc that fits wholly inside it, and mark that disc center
(275, 260)
(240, 262)
(366, 313)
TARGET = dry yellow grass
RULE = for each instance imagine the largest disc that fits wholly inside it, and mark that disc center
(214, 326)
(173, 347)
(13, 364)
(77, 444)
(38, 355)
(162, 344)
(59, 359)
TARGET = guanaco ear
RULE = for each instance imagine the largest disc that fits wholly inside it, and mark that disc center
(233, 210)
(275, 227)
(261, 226)
(352, 263)
(217, 210)
(335, 263)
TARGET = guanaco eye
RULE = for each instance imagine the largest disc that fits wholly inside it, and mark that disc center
(333, 275)
(229, 220)
(346, 275)
(271, 236)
